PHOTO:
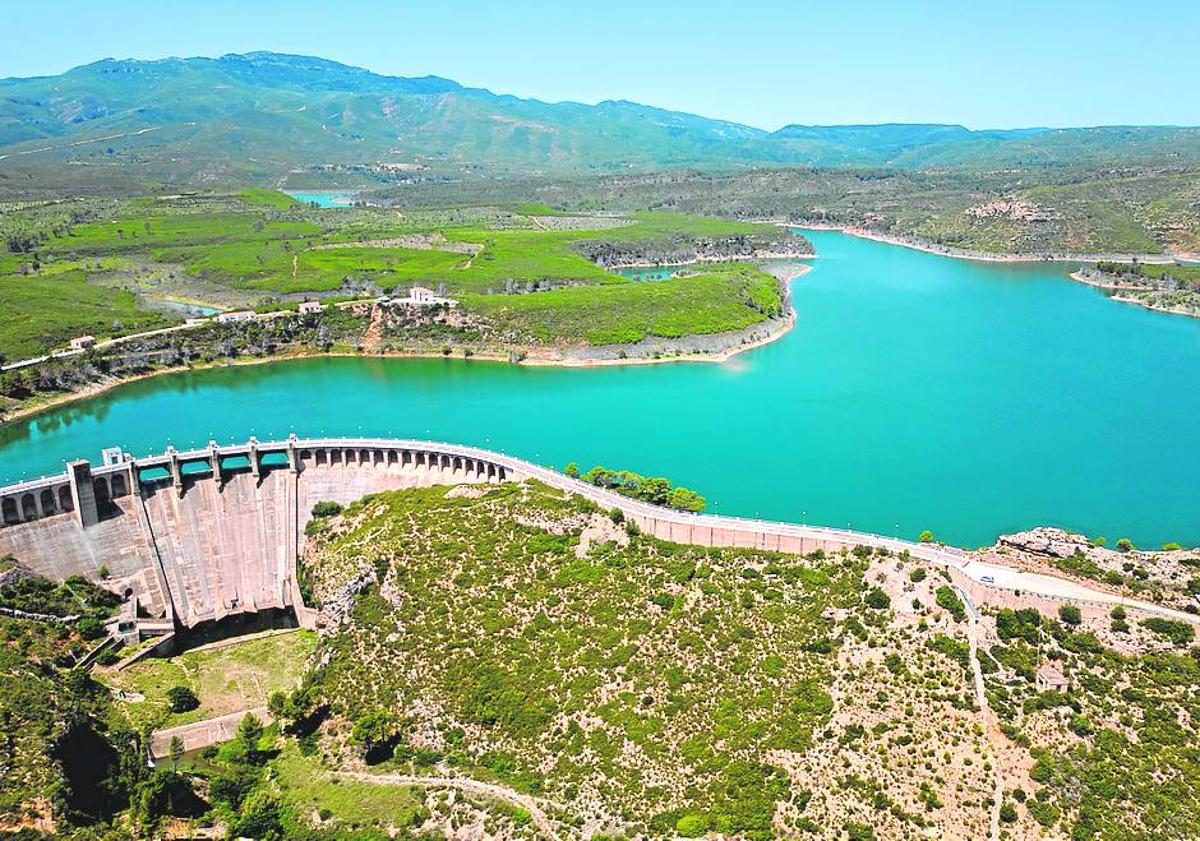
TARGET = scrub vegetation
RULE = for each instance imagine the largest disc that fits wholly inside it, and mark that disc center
(1031, 209)
(509, 661)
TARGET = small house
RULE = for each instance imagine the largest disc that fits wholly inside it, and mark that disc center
(310, 307)
(1051, 679)
(235, 316)
(421, 295)
(83, 342)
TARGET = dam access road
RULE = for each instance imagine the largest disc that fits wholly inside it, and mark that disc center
(199, 535)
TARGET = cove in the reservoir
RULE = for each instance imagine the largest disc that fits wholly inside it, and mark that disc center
(915, 392)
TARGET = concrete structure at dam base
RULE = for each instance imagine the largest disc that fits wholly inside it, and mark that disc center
(205, 542)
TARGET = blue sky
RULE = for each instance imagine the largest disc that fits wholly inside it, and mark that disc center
(761, 62)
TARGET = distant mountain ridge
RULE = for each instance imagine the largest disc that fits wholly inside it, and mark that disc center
(260, 115)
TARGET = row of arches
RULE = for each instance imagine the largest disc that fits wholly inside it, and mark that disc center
(34, 505)
(57, 499)
(377, 457)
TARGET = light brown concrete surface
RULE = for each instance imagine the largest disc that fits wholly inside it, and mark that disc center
(201, 734)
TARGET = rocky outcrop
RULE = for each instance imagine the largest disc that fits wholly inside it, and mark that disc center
(338, 606)
(1051, 542)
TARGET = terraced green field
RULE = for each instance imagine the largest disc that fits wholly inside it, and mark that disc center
(105, 267)
(45, 312)
(718, 299)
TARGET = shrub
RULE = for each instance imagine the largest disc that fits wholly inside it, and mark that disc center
(1043, 811)
(947, 599)
(1024, 623)
(1099, 542)
(572, 470)
(878, 600)
(926, 536)
(1171, 547)
(1125, 544)
(917, 575)
(326, 508)
(692, 826)
(1070, 614)
(182, 699)
(858, 831)
(90, 628)
(1008, 813)
(1179, 633)
(664, 600)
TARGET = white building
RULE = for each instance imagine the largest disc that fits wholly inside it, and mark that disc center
(237, 315)
(83, 342)
(307, 307)
(1049, 677)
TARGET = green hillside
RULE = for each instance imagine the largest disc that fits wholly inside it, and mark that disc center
(263, 117)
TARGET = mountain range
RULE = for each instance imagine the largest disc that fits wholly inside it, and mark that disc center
(261, 116)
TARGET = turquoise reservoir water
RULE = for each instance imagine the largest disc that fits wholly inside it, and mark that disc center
(915, 392)
(325, 199)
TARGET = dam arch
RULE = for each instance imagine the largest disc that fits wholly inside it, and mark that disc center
(214, 541)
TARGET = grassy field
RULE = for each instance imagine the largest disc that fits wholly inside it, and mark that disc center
(310, 789)
(45, 312)
(229, 679)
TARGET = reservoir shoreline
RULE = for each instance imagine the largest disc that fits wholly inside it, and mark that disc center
(653, 350)
(832, 423)
(536, 357)
(1078, 277)
(985, 256)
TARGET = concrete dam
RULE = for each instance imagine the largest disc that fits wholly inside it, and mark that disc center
(200, 535)
(193, 537)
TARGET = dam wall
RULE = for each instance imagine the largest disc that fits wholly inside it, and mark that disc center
(200, 535)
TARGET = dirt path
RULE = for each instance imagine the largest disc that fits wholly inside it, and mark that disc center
(530, 804)
(985, 711)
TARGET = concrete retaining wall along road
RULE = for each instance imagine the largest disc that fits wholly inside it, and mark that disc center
(220, 535)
